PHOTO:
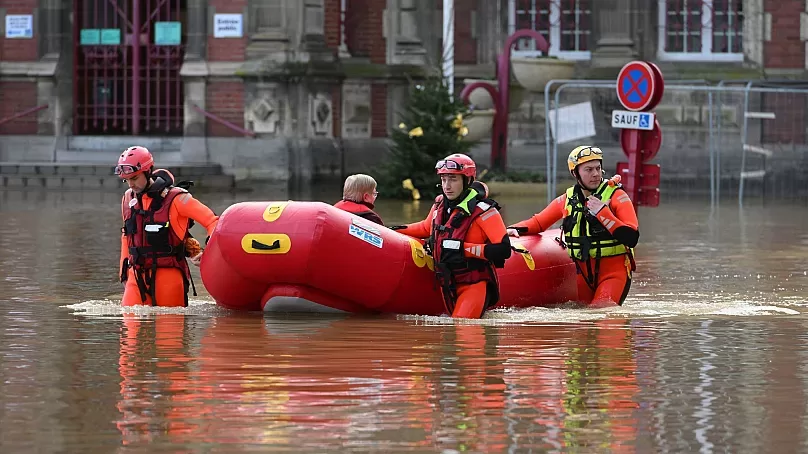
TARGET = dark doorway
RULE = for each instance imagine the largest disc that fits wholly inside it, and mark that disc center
(123, 85)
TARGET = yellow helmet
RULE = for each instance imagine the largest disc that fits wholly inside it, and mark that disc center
(582, 154)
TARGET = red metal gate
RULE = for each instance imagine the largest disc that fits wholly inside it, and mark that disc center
(124, 86)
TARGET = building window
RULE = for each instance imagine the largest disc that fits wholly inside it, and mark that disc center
(696, 30)
(266, 16)
(565, 24)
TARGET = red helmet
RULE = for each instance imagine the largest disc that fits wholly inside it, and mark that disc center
(134, 160)
(457, 163)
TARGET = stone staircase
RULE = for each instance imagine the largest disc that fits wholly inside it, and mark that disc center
(106, 149)
(86, 163)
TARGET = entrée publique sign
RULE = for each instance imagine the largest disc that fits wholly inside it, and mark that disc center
(228, 26)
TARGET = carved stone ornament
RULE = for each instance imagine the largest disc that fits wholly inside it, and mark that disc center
(356, 111)
(321, 114)
(262, 115)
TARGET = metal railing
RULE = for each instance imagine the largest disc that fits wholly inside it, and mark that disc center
(223, 122)
(23, 113)
(696, 118)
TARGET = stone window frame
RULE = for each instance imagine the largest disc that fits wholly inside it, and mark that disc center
(253, 15)
(554, 34)
(705, 53)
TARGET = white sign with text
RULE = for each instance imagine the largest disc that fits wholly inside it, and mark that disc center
(19, 26)
(625, 119)
(228, 25)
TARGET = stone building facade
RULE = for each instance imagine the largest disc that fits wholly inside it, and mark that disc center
(317, 83)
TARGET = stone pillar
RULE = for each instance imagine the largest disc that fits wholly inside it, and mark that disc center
(492, 31)
(754, 31)
(404, 45)
(313, 26)
(48, 120)
(195, 29)
(50, 18)
(193, 75)
(194, 69)
(268, 29)
(614, 45)
(54, 44)
(194, 145)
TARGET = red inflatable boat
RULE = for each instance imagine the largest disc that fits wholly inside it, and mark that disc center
(313, 257)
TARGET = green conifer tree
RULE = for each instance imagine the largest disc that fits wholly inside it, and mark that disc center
(429, 131)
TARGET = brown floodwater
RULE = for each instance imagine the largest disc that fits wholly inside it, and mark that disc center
(706, 355)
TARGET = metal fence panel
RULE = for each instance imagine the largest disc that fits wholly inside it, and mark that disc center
(742, 140)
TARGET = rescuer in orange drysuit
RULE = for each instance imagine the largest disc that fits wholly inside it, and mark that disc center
(155, 236)
(466, 237)
(600, 229)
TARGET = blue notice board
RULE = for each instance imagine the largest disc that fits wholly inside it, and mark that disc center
(167, 33)
(90, 36)
(110, 36)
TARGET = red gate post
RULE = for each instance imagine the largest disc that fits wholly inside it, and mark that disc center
(639, 88)
(501, 95)
(135, 67)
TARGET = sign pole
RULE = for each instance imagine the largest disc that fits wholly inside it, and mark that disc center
(633, 137)
(640, 86)
(448, 44)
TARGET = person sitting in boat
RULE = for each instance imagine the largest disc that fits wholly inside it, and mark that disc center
(359, 196)
(467, 238)
(600, 229)
(157, 216)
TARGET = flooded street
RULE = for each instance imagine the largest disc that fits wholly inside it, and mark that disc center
(705, 356)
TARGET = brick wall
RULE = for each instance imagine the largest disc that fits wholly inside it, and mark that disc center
(790, 111)
(19, 49)
(465, 47)
(227, 49)
(378, 102)
(332, 24)
(363, 30)
(785, 50)
(14, 98)
(225, 99)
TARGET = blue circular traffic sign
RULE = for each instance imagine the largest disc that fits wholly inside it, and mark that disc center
(636, 86)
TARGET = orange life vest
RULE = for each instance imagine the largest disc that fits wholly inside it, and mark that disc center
(452, 267)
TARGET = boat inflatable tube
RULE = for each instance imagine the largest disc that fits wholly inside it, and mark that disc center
(312, 257)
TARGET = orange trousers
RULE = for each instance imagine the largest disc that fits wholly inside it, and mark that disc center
(170, 289)
(471, 300)
(612, 285)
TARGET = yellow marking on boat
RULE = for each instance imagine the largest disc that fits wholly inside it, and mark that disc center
(274, 210)
(420, 257)
(525, 255)
(266, 243)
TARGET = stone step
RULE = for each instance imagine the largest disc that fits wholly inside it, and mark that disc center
(96, 176)
(116, 144)
(90, 182)
(78, 169)
(111, 157)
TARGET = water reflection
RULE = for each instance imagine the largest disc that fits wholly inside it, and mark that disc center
(155, 373)
(296, 382)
